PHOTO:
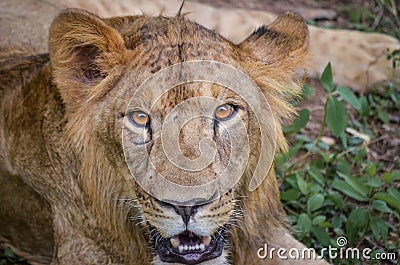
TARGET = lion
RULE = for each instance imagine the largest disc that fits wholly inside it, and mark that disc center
(67, 192)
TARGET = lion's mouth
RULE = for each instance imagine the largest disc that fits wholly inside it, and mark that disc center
(189, 248)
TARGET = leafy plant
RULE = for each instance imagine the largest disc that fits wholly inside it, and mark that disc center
(335, 190)
(374, 15)
(7, 257)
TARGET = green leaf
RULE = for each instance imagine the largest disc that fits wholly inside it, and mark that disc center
(388, 198)
(325, 224)
(353, 140)
(374, 224)
(20, 259)
(381, 206)
(383, 116)
(326, 78)
(366, 110)
(283, 158)
(318, 219)
(302, 138)
(349, 96)
(337, 199)
(299, 123)
(371, 170)
(360, 155)
(387, 177)
(356, 221)
(343, 167)
(336, 222)
(345, 188)
(290, 195)
(395, 194)
(395, 175)
(302, 185)
(391, 176)
(303, 225)
(316, 174)
(373, 182)
(357, 185)
(315, 202)
(8, 253)
(343, 137)
(321, 235)
(291, 180)
(314, 187)
(336, 116)
(379, 228)
(308, 91)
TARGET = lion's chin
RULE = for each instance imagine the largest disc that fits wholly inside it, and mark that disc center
(189, 248)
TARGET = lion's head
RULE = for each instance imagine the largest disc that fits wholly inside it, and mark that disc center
(98, 65)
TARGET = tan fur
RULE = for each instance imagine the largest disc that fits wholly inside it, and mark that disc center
(60, 138)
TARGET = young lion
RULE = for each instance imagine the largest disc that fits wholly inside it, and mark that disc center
(67, 191)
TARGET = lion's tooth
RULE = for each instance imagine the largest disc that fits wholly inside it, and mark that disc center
(175, 241)
(197, 247)
(191, 248)
(206, 240)
(180, 249)
(185, 247)
(202, 247)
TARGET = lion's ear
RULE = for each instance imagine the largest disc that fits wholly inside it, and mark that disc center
(283, 41)
(83, 52)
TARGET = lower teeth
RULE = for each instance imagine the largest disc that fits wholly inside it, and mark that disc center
(175, 242)
(183, 248)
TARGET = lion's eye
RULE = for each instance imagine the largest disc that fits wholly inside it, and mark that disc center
(140, 118)
(224, 112)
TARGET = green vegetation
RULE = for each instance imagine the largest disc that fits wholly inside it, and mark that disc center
(7, 257)
(374, 15)
(335, 190)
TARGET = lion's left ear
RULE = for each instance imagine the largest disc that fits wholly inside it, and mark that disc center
(283, 41)
(84, 51)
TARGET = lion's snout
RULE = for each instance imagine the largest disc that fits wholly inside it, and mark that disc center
(196, 242)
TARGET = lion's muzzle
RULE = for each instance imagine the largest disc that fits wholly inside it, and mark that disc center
(187, 247)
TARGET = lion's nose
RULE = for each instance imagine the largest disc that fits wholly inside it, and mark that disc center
(185, 212)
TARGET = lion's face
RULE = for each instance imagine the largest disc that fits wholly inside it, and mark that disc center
(192, 232)
(106, 61)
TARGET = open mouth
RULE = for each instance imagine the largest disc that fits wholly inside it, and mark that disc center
(189, 248)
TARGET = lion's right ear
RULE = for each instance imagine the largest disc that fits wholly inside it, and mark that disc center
(84, 51)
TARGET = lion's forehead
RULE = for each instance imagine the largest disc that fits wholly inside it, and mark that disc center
(192, 95)
(165, 41)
